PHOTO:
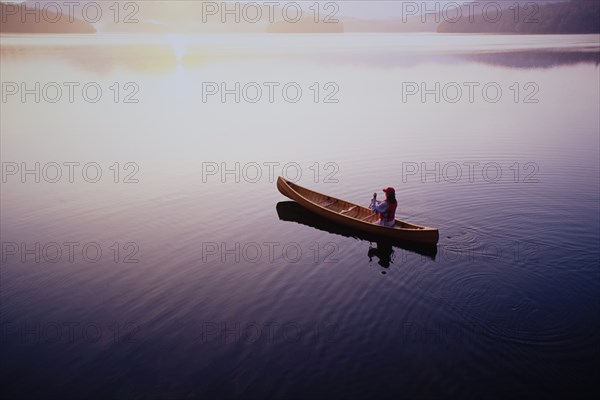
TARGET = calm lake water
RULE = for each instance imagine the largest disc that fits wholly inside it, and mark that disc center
(181, 271)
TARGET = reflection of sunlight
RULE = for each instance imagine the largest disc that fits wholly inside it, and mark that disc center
(179, 45)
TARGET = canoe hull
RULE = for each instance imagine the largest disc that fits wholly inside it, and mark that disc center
(291, 211)
(309, 200)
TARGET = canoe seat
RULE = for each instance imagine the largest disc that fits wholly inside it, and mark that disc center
(348, 211)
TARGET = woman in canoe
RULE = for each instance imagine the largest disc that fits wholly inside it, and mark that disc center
(386, 210)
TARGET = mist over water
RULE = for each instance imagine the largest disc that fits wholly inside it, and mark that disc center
(207, 285)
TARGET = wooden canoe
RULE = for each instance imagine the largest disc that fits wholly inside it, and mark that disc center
(291, 211)
(353, 215)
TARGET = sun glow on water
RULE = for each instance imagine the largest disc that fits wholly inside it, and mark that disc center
(179, 45)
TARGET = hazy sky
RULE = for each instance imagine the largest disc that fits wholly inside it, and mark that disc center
(351, 8)
(365, 8)
(373, 8)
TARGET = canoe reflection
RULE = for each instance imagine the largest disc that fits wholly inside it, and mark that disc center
(293, 212)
